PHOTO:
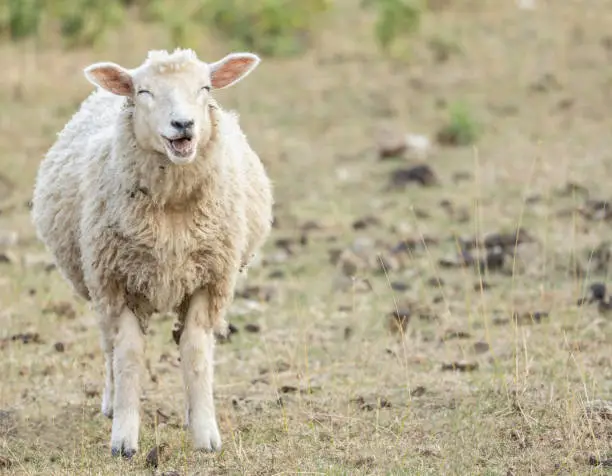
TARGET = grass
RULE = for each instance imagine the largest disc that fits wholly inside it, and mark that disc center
(325, 387)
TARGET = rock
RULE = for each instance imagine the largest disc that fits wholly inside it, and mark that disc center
(59, 347)
(417, 391)
(91, 391)
(252, 328)
(598, 291)
(380, 402)
(349, 263)
(420, 174)
(7, 257)
(461, 366)
(481, 347)
(365, 222)
(26, 338)
(399, 286)
(155, 455)
(493, 261)
(391, 144)
(419, 145)
(451, 334)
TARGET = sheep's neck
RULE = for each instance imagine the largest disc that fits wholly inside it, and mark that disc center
(155, 178)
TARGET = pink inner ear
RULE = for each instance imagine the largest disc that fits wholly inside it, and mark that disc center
(230, 72)
(113, 80)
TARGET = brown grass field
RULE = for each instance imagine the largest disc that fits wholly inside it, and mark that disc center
(499, 370)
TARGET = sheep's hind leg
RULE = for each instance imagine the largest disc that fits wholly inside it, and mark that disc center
(196, 349)
(128, 364)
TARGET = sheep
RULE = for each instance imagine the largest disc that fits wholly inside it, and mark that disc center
(152, 200)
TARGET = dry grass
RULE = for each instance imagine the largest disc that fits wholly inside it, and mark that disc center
(324, 387)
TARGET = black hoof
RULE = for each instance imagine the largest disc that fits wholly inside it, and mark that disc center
(126, 453)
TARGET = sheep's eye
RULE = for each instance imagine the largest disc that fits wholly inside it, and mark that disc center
(145, 91)
(206, 88)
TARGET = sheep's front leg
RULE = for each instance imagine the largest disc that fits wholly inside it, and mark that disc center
(196, 349)
(128, 360)
(107, 347)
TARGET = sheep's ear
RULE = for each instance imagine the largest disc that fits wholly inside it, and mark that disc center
(112, 77)
(231, 69)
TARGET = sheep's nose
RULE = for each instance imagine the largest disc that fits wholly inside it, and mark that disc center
(182, 125)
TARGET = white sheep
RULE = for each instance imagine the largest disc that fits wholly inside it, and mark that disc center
(151, 199)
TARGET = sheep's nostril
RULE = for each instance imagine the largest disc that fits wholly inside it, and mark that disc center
(182, 125)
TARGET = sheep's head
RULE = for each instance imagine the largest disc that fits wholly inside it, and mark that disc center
(170, 93)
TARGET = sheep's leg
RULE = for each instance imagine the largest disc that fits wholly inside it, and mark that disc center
(128, 360)
(196, 350)
(107, 347)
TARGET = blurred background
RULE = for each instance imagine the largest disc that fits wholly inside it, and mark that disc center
(433, 296)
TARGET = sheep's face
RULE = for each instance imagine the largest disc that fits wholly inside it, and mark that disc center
(171, 93)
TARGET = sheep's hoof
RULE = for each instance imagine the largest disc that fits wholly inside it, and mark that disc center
(206, 437)
(126, 453)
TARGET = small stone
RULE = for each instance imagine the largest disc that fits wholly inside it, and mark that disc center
(91, 391)
(417, 391)
(366, 222)
(391, 145)
(399, 286)
(493, 261)
(419, 174)
(154, 456)
(252, 328)
(461, 366)
(451, 334)
(598, 291)
(27, 337)
(481, 347)
(59, 347)
(419, 145)
(288, 389)
(7, 257)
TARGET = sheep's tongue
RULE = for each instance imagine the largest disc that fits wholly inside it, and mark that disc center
(181, 145)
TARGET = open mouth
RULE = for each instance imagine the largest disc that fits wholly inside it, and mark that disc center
(181, 146)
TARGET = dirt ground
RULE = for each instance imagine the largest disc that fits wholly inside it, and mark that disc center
(500, 371)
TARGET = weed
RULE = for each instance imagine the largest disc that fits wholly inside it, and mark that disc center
(461, 128)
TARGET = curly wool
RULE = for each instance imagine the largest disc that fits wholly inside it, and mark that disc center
(127, 227)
